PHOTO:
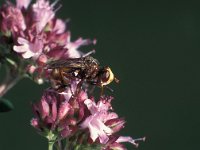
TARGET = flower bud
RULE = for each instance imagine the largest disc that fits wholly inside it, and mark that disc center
(63, 110)
(35, 123)
(44, 108)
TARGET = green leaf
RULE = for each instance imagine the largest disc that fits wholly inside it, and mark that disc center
(5, 105)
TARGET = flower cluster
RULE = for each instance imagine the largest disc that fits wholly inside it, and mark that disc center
(80, 119)
(33, 35)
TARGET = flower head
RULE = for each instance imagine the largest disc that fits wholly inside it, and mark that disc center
(34, 36)
(49, 112)
(73, 115)
(58, 112)
(11, 19)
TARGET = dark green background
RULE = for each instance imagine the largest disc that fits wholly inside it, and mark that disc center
(153, 48)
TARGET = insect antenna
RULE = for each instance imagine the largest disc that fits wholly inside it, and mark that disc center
(116, 80)
(109, 88)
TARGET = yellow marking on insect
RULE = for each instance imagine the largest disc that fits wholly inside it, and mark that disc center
(111, 77)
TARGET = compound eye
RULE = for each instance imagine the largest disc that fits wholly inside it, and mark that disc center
(105, 76)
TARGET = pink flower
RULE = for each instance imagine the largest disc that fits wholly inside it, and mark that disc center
(59, 26)
(35, 123)
(29, 49)
(115, 142)
(42, 14)
(96, 121)
(31, 69)
(56, 112)
(65, 48)
(68, 93)
(72, 115)
(129, 139)
(12, 19)
(51, 110)
(73, 46)
(36, 32)
(23, 3)
(42, 60)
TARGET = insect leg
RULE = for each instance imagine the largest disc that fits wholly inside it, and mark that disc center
(65, 78)
(70, 87)
(92, 89)
(101, 91)
(78, 88)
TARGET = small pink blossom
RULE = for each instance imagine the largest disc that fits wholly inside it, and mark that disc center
(23, 3)
(129, 139)
(31, 69)
(46, 109)
(35, 123)
(54, 112)
(12, 19)
(42, 14)
(42, 60)
(59, 26)
(115, 142)
(96, 121)
(29, 49)
(73, 46)
(126, 139)
(68, 93)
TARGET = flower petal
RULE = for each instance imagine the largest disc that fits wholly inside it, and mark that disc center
(23, 3)
(63, 110)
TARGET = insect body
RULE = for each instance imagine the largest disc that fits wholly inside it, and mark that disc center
(85, 69)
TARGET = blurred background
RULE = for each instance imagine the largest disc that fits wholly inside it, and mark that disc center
(153, 48)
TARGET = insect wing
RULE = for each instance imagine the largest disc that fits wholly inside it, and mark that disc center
(69, 63)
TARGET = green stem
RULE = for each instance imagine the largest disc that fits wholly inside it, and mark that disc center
(50, 145)
(7, 84)
(11, 77)
(14, 71)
